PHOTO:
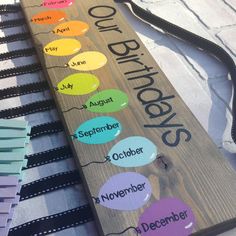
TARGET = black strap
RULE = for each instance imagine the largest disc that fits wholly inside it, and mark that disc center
(54, 223)
(14, 37)
(49, 184)
(12, 23)
(49, 156)
(8, 8)
(47, 128)
(17, 53)
(23, 89)
(197, 40)
(27, 109)
(20, 70)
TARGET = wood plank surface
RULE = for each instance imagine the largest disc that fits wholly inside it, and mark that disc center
(196, 171)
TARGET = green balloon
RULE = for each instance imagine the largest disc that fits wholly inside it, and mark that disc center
(110, 100)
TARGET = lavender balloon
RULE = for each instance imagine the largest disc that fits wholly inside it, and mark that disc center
(125, 191)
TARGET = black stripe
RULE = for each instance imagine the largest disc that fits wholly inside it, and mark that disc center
(12, 23)
(49, 184)
(54, 223)
(9, 8)
(27, 109)
(14, 37)
(20, 70)
(17, 53)
(47, 128)
(52, 155)
(23, 89)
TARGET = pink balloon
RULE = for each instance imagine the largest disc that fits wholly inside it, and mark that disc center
(57, 3)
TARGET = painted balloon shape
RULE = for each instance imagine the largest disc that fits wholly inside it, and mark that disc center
(110, 100)
(48, 17)
(57, 3)
(133, 152)
(169, 216)
(78, 84)
(125, 191)
(87, 61)
(62, 47)
(71, 28)
(99, 130)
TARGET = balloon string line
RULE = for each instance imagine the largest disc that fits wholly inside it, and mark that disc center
(73, 108)
(96, 162)
(56, 67)
(131, 227)
(32, 6)
(48, 32)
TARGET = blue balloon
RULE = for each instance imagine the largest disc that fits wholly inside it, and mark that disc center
(133, 151)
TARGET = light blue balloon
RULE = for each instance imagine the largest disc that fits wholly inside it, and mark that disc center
(133, 151)
(98, 130)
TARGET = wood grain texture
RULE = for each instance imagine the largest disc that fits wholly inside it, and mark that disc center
(197, 173)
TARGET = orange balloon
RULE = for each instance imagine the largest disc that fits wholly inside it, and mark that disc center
(71, 28)
(48, 17)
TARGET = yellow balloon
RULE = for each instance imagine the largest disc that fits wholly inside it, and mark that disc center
(62, 47)
(87, 61)
(78, 84)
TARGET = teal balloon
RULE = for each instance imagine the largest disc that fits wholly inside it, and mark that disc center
(98, 130)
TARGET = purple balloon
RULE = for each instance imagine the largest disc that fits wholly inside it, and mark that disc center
(125, 191)
(167, 217)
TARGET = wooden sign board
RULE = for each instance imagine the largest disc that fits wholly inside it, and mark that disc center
(148, 165)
